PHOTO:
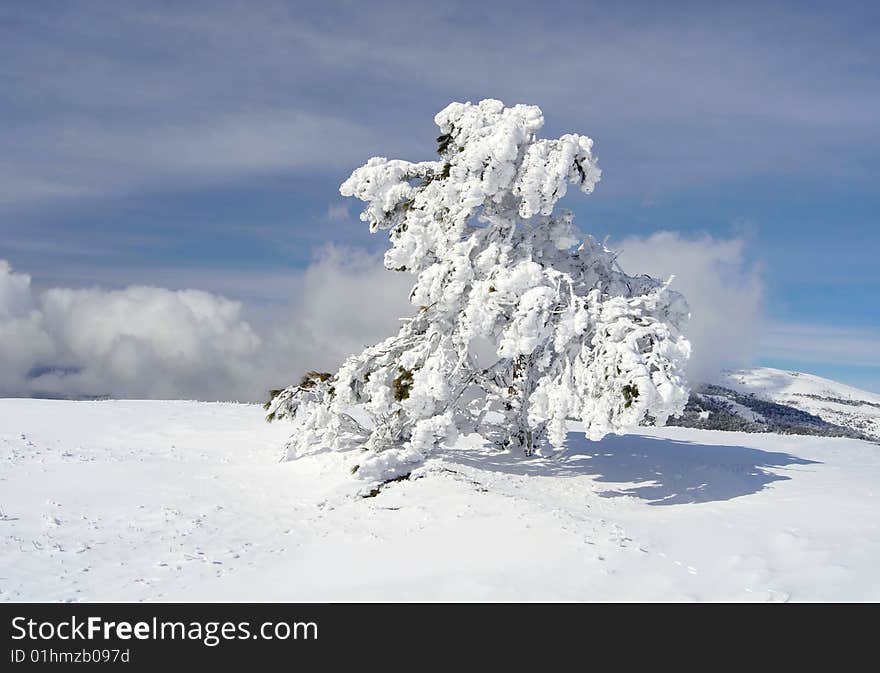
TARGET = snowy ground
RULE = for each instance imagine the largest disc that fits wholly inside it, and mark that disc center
(185, 501)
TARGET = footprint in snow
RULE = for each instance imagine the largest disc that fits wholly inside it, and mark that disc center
(776, 596)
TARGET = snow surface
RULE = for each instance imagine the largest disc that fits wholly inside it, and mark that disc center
(138, 500)
(829, 400)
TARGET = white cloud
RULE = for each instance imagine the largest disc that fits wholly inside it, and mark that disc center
(23, 342)
(15, 293)
(136, 342)
(345, 300)
(159, 343)
(724, 292)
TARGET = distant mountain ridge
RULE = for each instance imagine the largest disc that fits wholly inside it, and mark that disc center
(784, 402)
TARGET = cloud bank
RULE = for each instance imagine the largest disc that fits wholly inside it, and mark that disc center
(724, 293)
(149, 342)
(136, 342)
(344, 301)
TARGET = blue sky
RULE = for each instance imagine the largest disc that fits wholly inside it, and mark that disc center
(202, 144)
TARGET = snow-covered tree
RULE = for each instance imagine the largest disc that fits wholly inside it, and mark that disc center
(521, 324)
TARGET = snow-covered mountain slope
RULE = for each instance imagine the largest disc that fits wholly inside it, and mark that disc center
(186, 501)
(833, 402)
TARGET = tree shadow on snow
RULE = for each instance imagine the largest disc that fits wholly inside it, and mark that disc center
(656, 469)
